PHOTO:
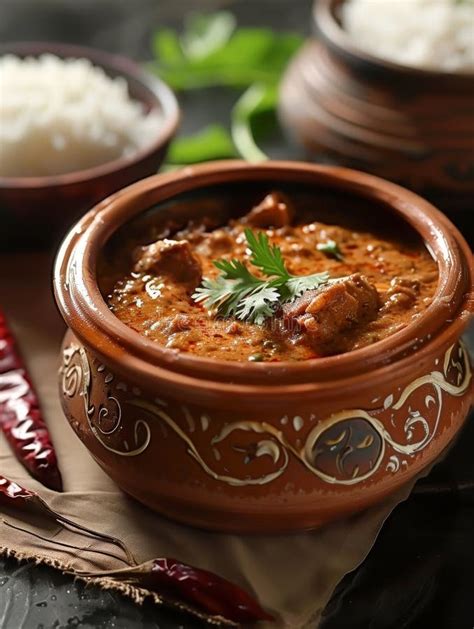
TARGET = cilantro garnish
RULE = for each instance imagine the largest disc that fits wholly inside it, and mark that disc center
(236, 292)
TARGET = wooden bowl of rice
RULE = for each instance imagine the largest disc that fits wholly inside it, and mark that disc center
(36, 210)
(412, 124)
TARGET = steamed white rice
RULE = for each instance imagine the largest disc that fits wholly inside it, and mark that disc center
(431, 34)
(63, 115)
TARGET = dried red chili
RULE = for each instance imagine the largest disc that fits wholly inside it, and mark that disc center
(17, 497)
(10, 491)
(171, 579)
(201, 589)
(204, 589)
(20, 415)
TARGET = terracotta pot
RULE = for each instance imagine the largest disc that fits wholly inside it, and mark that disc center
(34, 210)
(261, 447)
(412, 126)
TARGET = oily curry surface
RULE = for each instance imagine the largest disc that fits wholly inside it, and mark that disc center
(376, 287)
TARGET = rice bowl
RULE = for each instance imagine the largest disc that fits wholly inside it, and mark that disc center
(65, 115)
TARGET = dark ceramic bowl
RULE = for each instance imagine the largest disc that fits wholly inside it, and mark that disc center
(261, 447)
(409, 125)
(33, 210)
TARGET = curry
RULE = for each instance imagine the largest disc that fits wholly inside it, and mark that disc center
(272, 287)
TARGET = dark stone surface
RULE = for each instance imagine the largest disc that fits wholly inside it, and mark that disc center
(419, 573)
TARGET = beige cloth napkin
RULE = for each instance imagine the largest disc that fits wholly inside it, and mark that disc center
(293, 576)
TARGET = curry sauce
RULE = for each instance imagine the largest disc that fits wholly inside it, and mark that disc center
(377, 286)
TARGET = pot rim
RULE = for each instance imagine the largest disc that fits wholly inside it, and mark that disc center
(87, 314)
(329, 28)
(162, 95)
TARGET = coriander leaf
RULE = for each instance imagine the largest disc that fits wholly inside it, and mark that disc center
(228, 307)
(214, 292)
(204, 34)
(237, 64)
(331, 249)
(266, 257)
(236, 270)
(182, 77)
(256, 306)
(212, 142)
(248, 47)
(237, 292)
(167, 48)
(227, 292)
(255, 53)
(249, 55)
(299, 284)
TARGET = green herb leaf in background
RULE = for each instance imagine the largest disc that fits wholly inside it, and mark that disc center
(212, 52)
(166, 46)
(249, 55)
(206, 33)
(258, 99)
(212, 142)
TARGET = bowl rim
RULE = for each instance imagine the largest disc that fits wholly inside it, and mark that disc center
(328, 26)
(162, 94)
(85, 311)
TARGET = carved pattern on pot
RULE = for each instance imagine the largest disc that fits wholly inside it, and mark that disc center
(346, 448)
(106, 419)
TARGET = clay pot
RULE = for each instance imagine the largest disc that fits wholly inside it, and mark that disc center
(35, 210)
(261, 447)
(412, 126)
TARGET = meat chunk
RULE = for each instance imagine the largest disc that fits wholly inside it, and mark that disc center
(401, 295)
(274, 211)
(172, 258)
(322, 314)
